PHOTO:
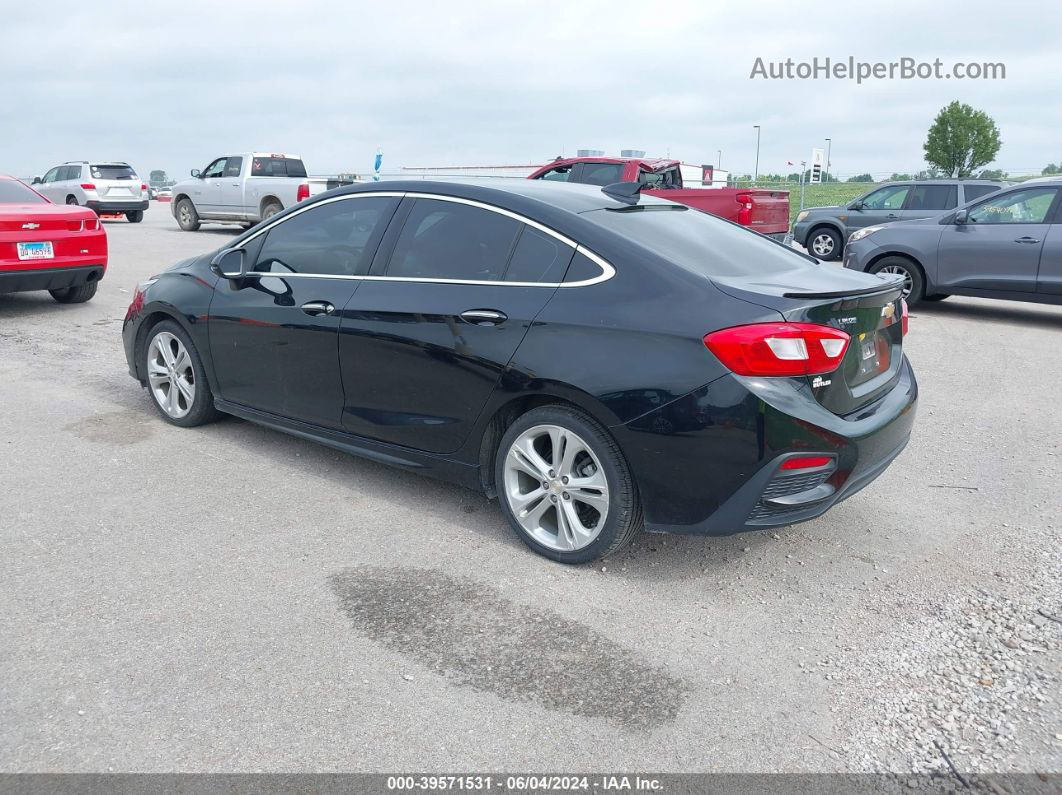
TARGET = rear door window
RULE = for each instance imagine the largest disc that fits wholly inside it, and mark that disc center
(336, 238)
(448, 240)
(277, 167)
(932, 197)
(977, 191)
(538, 257)
(668, 179)
(600, 173)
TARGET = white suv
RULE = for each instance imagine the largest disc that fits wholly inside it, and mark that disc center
(102, 187)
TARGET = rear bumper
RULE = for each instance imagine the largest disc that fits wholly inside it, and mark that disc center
(709, 463)
(116, 206)
(49, 279)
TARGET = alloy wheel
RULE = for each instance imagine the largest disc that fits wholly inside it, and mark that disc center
(556, 487)
(171, 375)
(184, 213)
(899, 270)
(822, 245)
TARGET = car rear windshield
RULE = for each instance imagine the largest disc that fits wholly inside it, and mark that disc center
(277, 167)
(16, 193)
(699, 242)
(113, 172)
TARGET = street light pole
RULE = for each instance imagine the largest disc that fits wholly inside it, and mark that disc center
(827, 160)
(756, 172)
(719, 161)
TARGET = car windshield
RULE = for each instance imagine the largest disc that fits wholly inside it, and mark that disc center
(113, 172)
(699, 242)
(12, 192)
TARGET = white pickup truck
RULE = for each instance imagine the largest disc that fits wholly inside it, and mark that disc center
(245, 189)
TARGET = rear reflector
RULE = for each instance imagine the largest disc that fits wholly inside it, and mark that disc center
(806, 462)
(903, 316)
(779, 349)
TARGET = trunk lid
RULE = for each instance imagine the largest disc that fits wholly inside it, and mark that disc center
(867, 308)
(116, 182)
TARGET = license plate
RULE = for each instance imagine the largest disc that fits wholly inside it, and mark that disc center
(35, 251)
(869, 349)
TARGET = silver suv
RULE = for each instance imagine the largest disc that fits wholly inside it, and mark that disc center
(102, 187)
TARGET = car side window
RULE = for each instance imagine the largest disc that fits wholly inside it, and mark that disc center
(977, 191)
(538, 257)
(932, 197)
(448, 240)
(888, 198)
(336, 238)
(558, 174)
(1029, 206)
(668, 179)
(215, 169)
(51, 176)
(601, 173)
(67, 173)
(232, 167)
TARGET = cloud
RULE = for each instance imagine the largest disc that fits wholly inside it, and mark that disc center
(504, 82)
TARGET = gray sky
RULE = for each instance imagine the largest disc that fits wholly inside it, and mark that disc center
(461, 83)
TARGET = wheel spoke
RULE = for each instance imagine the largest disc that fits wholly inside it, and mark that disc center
(531, 518)
(596, 499)
(182, 361)
(521, 501)
(566, 533)
(524, 453)
(572, 448)
(186, 389)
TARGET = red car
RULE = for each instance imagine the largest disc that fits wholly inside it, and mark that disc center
(764, 211)
(44, 246)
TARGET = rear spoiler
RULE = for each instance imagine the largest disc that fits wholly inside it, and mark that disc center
(896, 284)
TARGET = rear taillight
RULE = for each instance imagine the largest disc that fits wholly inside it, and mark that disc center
(779, 349)
(903, 316)
(303, 192)
(87, 186)
(92, 224)
(744, 216)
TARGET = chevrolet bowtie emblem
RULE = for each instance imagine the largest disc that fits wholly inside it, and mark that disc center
(31, 226)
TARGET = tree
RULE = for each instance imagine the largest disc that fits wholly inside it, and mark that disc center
(861, 178)
(900, 178)
(961, 140)
(993, 173)
(1050, 169)
(158, 177)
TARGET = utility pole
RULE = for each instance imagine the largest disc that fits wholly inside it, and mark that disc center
(756, 172)
(803, 168)
(827, 161)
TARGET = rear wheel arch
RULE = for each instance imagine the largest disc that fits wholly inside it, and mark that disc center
(266, 202)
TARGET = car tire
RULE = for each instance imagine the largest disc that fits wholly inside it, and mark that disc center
(548, 510)
(825, 243)
(270, 209)
(914, 282)
(135, 217)
(72, 200)
(168, 356)
(187, 217)
(936, 297)
(75, 295)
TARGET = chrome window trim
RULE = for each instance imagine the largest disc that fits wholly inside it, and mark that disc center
(607, 270)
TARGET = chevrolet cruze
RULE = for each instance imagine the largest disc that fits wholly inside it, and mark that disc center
(600, 361)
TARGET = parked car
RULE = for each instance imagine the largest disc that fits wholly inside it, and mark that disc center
(765, 211)
(600, 365)
(165, 194)
(102, 187)
(46, 246)
(244, 189)
(1007, 245)
(824, 230)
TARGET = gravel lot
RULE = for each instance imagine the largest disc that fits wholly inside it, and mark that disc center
(232, 599)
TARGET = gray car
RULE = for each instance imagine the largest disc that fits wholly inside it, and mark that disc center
(1007, 245)
(824, 230)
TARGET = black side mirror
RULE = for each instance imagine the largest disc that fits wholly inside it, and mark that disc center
(856, 205)
(230, 263)
(961, 217)
(36, 181)
(194, 172)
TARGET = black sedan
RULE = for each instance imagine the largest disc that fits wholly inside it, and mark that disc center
(600, 361)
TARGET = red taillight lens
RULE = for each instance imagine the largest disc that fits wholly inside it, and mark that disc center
(92, 224)
(87, 186)
(903, 316)
(143, 187)
(303, 192)
(779, 349)
(806, 462)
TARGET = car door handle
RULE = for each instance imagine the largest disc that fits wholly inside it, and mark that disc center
(484, 317)
(1026, 239)
(318, 308)
(892, 215)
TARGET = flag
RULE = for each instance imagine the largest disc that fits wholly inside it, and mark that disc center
(376, 165)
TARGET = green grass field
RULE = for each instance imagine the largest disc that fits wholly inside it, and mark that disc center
(819, 195)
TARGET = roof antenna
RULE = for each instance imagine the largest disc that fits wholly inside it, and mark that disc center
(626, 192)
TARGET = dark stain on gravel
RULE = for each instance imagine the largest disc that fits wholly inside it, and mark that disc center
(475, 637)
(115, 427)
